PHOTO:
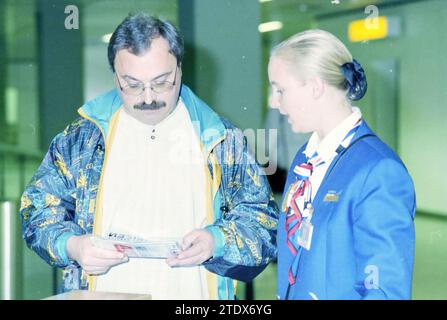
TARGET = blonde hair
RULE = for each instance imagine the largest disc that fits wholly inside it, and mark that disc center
(315, 52)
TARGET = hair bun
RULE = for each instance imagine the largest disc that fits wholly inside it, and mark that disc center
(355, 79)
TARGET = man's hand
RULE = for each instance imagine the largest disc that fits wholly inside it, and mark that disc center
(93, 260)
(197, 247)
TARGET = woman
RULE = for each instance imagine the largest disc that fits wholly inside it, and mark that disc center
(346, 230)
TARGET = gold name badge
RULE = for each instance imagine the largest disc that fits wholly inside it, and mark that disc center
(331, 196)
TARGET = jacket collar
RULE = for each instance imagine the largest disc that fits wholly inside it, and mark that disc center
(363, 130)
(206, 122)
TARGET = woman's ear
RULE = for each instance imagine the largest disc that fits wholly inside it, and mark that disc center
(318, 87)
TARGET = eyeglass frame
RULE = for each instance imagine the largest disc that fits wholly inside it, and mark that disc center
(143, 88)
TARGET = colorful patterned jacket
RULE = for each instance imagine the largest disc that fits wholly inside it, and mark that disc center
(64, 195)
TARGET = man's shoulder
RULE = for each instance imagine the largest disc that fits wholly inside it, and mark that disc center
(77, 133)
(77, 126)
(233, 134)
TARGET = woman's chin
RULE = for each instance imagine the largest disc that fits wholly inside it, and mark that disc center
(294, 127)
(297, 129)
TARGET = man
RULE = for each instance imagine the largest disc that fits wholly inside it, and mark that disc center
(152, 160)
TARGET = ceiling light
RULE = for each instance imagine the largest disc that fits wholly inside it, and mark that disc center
(106, 38)
(270, 26)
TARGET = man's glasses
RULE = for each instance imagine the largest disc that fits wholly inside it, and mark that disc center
(137, 89)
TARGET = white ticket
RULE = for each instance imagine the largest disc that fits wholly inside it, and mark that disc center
(140, 248)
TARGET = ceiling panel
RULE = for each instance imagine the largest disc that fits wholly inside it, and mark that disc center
(103, 16)
(289, 9)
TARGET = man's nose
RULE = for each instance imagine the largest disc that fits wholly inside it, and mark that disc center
(148, 95)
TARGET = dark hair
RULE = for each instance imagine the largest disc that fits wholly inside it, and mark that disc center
(137, 31)
(355, 82)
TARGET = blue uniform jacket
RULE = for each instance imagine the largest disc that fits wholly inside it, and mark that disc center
(363, 238)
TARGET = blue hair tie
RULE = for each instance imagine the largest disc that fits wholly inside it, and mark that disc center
(355, 78)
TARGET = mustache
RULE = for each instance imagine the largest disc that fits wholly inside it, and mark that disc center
(154, 105)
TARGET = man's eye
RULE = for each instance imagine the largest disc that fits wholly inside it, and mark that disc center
(134, 85)
(159, 84)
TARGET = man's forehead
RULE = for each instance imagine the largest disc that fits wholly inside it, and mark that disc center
(124, 57)
(157, 59)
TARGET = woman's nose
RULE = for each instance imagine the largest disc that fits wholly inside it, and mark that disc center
(273, 102)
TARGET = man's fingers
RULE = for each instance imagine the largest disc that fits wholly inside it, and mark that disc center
(189, 239)
(99, 262)
(95, 270)
(188, 262)
(192, 256)
(107, 254)
(196, 249)
(109, 262)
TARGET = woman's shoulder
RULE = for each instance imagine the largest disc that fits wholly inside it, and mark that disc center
(371, 155)
(376, 149)
(371, 149)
